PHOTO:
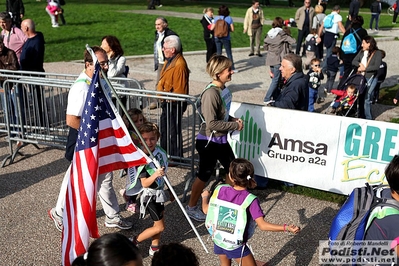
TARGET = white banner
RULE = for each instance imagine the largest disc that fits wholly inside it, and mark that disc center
(326, 152)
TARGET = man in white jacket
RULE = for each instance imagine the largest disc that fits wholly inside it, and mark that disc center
(253, 24)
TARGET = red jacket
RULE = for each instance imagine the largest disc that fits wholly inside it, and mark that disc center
(343, 94)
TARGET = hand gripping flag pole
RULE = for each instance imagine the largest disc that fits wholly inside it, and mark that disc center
(103, 145)
(149, 152)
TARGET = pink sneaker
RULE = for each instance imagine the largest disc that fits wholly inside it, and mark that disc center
(131, 207)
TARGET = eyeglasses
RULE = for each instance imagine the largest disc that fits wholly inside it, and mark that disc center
(106, 63)
(164, 48)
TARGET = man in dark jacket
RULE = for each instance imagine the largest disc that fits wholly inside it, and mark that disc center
(17, 10)
(32, 59)
(295, 92)
(375, 9)
(32, 55)
(353, 12)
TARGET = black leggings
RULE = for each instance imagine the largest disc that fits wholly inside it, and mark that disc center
(155, 210)
(209, 156)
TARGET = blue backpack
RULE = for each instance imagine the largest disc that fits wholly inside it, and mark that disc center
(353, 219)
(350, 44)
(328, 21)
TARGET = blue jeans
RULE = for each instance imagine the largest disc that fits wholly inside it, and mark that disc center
(312, 98)
(11, 106)
(375, 17)
(371, 83)
(273, 89)
(220, 42)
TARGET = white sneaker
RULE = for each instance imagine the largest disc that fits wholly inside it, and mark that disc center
(52, 213)
(55, 25)
(117, 221)
(151, 251)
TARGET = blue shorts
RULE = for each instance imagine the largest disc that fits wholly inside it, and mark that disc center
(232, 254)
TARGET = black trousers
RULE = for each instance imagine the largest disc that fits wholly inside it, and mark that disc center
(210, 48)
(171, 133)
(319, 48)
(301, 36)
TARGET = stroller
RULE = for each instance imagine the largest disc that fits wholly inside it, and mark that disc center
(356, 109)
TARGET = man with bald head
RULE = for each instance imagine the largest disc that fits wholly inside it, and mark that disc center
(32, 59)
(32, 55)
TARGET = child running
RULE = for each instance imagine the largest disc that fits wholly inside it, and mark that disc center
(151, 183)
(228, 208)
(136, 115)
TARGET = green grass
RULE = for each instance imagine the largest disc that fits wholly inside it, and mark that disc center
(387, 94)
(88, 21)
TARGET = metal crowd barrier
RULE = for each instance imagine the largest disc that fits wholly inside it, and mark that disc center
(179, 143)
(33, 111)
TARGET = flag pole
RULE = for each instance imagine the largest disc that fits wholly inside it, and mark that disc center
(93, 55)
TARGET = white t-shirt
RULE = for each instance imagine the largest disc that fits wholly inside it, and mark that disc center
(77, 95)
(337, 18)
(161, 60)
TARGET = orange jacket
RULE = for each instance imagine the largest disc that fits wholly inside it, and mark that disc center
(174, 77)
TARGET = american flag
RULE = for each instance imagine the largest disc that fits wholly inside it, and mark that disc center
(103, 145)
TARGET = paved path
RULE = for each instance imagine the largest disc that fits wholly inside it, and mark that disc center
(387, 32)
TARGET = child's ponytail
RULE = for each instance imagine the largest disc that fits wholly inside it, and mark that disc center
(242, 172)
